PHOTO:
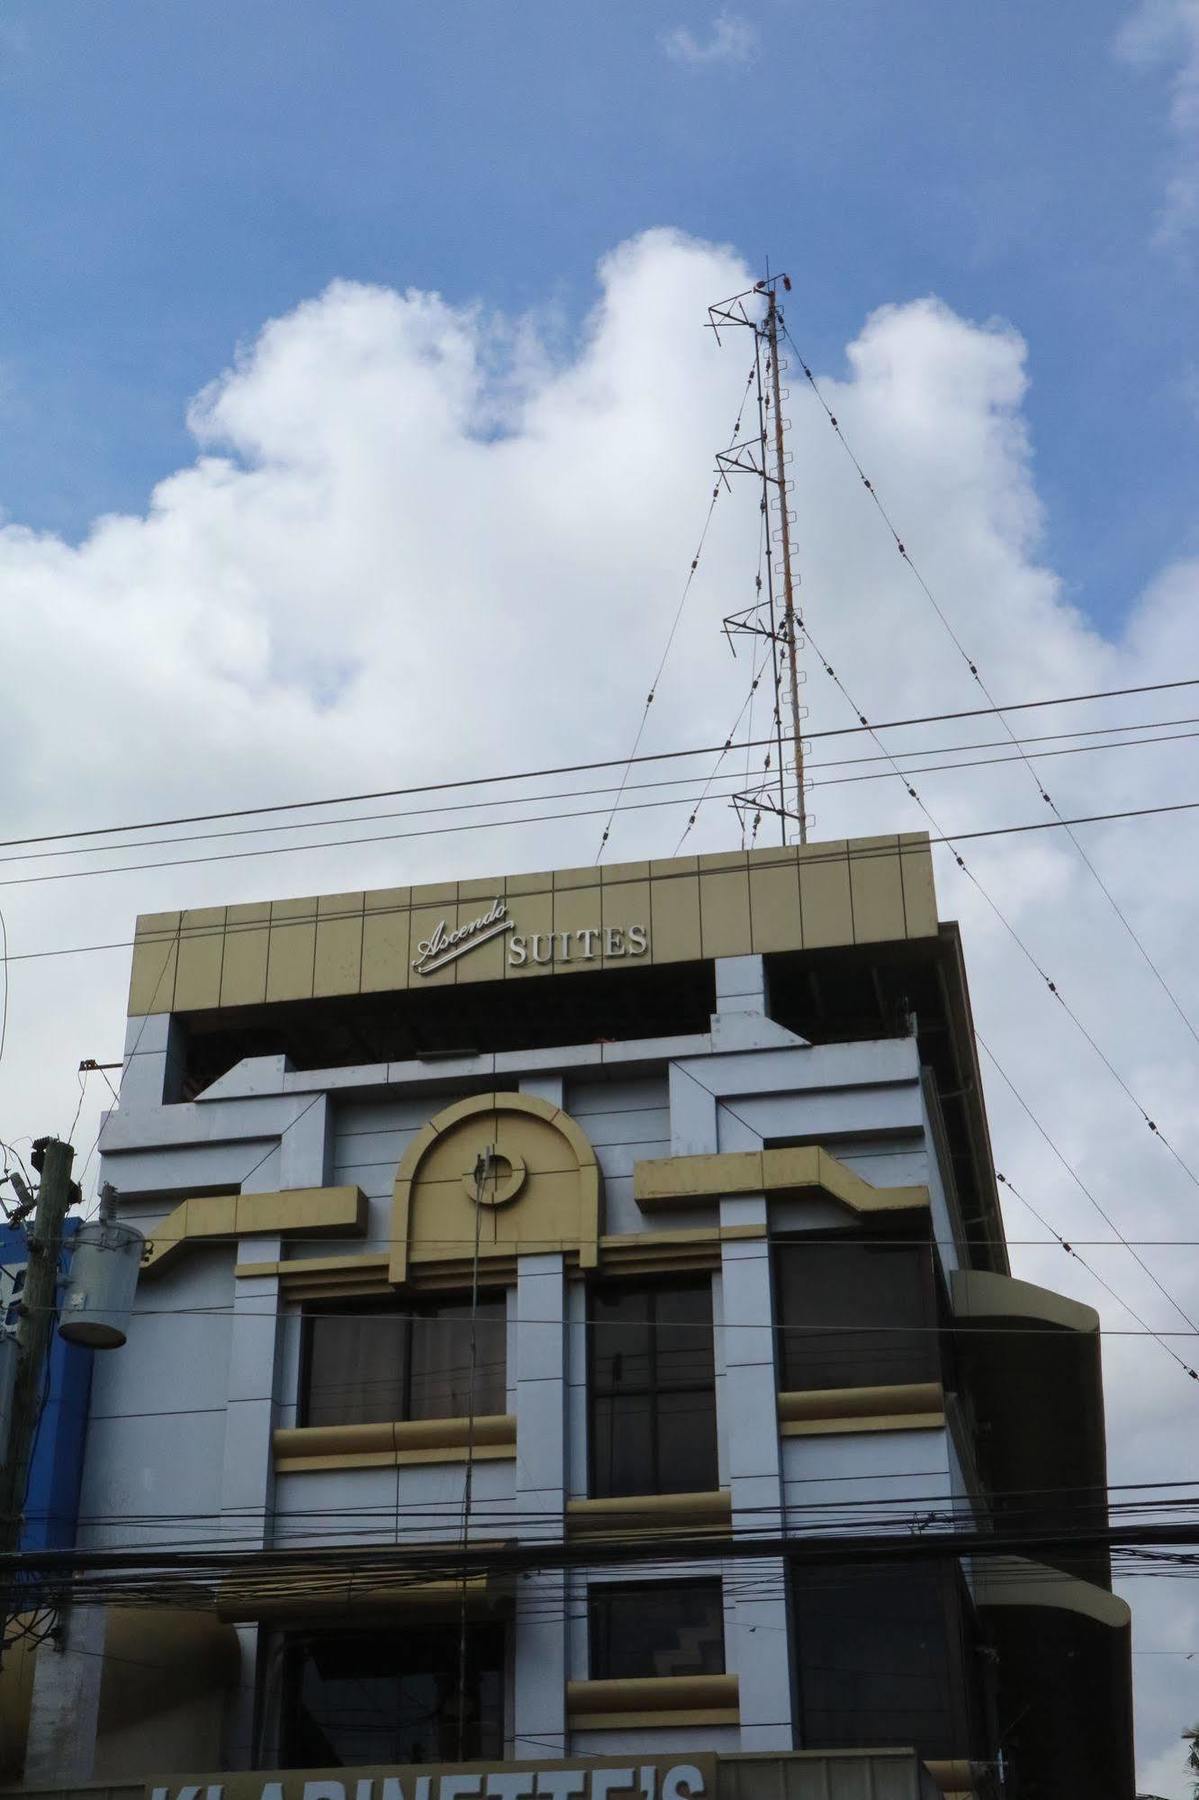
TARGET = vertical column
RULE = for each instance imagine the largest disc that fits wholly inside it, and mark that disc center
(64, 1708)
(252, 1402)
(740, 984)
(756, 1624)
(539, 1724)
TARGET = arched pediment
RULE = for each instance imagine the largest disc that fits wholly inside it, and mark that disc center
(543, 1192)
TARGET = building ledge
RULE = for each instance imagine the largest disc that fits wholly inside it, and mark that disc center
(818, 1412)
(391, 1444)
(649, 1515)
(666, 1700)
(955, 1778)
(668, 1181)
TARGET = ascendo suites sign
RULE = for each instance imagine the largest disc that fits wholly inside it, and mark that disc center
(586, 944)
(656, 1778)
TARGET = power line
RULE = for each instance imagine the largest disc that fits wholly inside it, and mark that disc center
(471, 806)
(243, 812)
(670, 637)
(981, 684)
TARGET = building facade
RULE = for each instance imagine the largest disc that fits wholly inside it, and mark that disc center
(576, 1340)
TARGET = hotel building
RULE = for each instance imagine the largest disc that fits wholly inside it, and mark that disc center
(576, 1321)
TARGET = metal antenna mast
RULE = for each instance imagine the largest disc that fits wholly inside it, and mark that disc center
(767, 460)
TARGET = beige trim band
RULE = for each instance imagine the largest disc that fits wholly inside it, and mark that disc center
(666, 1700)
(821, 1412)
(245, 1598)
(290, 1212)
(389, 1444)
(653, 1514)
(1018, 1581)
(667, 1181)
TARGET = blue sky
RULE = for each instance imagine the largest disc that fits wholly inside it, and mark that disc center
(173, 174)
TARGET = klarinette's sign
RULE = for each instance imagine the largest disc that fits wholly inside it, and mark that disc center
(660, 1778)
(586, 944)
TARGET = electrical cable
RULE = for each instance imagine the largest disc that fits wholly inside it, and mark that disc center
(979, 681)
(242, 812)
(1052, 986)
(687, 585)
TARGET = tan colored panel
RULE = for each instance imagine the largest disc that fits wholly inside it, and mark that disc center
(243, 969)
(577, 909)
(539, 883)
(724, 911)
(340, 906)
(308, 1210)
(674, 920)
(484, 888)
(897, 1399)
(576, 878)
(877, 887)
(289, 963)
(629, 871)
(919, 894)
(198, 969)
(824, 895)
(723, 859)
(774, 906)
(533, 913)
(301, 909)
(387, 900)
(651, 1693)
(385, 943)
(152, 977)
(625, 903)
(862, 1422)
(338, 967)
(436, 893)
(674, 867)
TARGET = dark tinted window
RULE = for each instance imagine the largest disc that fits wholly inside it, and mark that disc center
(372, 1363)
(653, 1394)
(855, 1314)
(368, 1697)
(667, 1629)
(874, 1659)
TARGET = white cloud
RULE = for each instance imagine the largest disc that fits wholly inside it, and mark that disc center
(417, 542)
(732, 40)
(1165, 34)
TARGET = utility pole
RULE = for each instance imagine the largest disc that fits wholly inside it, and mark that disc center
(53, 1160)
(780, 476)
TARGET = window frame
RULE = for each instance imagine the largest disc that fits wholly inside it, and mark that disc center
(653, 1391)
(930, 1300)
(278, 1715)
(965, 1701)
(599, 1591)
(410, 1310)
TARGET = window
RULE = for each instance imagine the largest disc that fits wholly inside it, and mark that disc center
(674, 1628)
(855, 1314)
(373, 1363)
(873, 1659)
(653, 1393)
(368, 1697)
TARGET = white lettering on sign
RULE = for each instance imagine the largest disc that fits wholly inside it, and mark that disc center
(442, 946)
(539, 947)
(673, 1781)
(583, 945)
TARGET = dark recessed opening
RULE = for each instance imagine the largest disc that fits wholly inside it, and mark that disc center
(433, 1023)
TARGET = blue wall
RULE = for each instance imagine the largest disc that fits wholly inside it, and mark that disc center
(52, 1498)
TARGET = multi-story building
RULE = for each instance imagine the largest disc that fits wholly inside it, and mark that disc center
(576, 1339)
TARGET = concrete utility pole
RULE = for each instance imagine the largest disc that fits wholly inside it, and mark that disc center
(37, 1303)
